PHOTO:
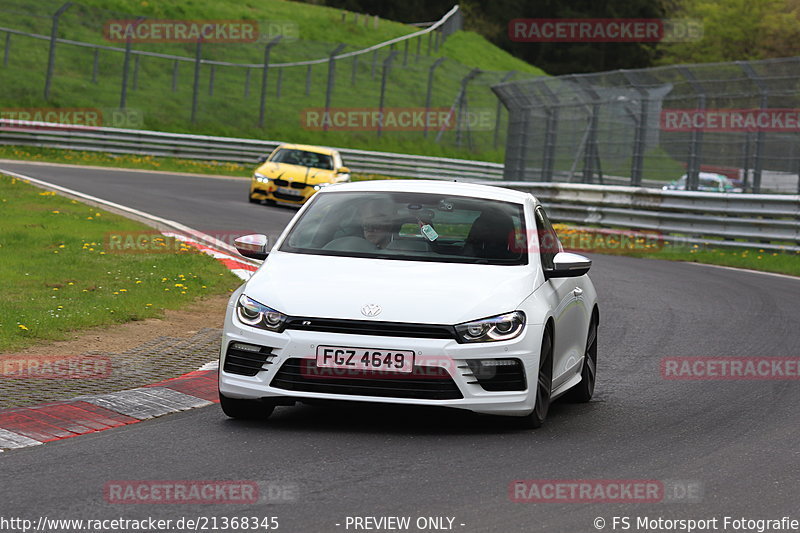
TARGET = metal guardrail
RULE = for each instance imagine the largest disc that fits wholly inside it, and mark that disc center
(725, 220)
(230, 149)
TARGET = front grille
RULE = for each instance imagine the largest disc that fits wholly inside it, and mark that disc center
(288, 197)
(507, 377)
(370, 327)
(424, 383)
(245, 362)
(292, 184)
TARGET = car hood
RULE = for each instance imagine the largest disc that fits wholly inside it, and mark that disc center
(407, 291)
(295, 173)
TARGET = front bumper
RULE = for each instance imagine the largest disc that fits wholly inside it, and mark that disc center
(269, 191)
(439, 356)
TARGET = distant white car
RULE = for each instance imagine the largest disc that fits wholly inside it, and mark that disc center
(412, 292)
(707, 182)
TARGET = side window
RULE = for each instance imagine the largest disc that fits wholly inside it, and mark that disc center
(549, 245)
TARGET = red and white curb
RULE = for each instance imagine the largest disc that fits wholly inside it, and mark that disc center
(29, 426)
(21, 427)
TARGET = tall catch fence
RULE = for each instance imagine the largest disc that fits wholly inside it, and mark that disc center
(652, 126)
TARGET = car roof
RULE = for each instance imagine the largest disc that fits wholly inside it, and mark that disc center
(455, 188)
(309, 148)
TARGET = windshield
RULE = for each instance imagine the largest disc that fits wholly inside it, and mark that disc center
(303, 158)
(411, 226)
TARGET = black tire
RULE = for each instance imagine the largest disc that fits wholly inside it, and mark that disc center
(270, 202)
(544, 386)
(246, 409)
(583, 391)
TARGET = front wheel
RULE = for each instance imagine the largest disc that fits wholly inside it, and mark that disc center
(583, 391)
(246, 409)
(253, 200)
(544, 386)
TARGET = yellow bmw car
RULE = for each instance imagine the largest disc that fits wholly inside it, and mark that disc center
(294, 172)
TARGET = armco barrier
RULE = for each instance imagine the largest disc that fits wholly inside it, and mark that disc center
(729, 220)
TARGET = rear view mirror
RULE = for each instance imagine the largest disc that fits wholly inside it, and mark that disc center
(569, 265)
(343, 170)
(253, 246)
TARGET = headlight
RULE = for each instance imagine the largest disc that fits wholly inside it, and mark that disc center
(319, 186)
(260, 177)
(258, 315)
(496, 328)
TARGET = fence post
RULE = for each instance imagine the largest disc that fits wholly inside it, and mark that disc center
(7, 48)
(374, 62)
(405, 53)
(463, 109)
(135, 72)
(430, 36)
(387, 65)
(211, 75)
(175, 76)
(126, 63)
(429, 93)
(758, 162)
(696, 138)
(355, 70)
(278, 84)
(51, 56)
(419, 44)
(640, 134)
(331, 74)
(499, 109)
(247, 73)
(95, 65)
(308, 80)
(591, 154)
(263, 105)
(551, 133)
(196, 84)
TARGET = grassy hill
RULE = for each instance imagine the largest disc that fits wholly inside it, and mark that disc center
(230, 106)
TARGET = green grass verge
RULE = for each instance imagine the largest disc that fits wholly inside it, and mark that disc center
(57, 277)
(591, 240)
(750, 258)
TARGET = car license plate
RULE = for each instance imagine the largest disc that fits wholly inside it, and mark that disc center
(290, 192)
(365, 359)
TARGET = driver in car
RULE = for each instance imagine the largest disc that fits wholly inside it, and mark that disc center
(377, 223)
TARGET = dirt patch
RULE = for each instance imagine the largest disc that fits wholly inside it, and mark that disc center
(206, 313)
(113, 358)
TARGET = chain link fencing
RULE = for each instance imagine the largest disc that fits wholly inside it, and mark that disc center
(251, 89)
(655, 126)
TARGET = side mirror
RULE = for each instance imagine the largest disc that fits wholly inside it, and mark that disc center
(343, 170)
(253, 246)
(262, 158)
(569, 265)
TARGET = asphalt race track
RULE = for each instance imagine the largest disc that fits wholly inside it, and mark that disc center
(737, 440)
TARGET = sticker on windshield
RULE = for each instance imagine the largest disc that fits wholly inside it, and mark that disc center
(429, 232)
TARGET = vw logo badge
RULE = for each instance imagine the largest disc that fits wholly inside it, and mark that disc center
(371, 310)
